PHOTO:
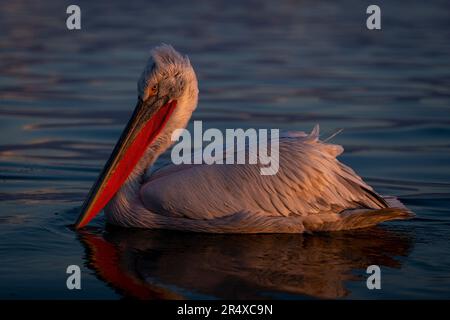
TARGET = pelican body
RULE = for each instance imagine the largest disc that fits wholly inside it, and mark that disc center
(312, 190)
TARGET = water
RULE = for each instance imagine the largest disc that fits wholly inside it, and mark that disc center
(65, 96)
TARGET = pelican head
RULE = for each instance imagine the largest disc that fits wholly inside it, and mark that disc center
(167, 96)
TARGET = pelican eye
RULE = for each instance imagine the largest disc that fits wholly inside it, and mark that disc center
(153, 90)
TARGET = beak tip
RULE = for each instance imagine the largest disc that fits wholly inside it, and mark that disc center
(73, 227)
(80, 223)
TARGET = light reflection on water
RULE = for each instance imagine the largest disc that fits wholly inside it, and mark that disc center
(65, 96)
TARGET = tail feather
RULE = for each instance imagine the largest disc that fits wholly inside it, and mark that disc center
(368, 218)
(363, 218)
(394, 202)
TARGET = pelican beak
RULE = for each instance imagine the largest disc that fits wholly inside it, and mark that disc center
(149, 118)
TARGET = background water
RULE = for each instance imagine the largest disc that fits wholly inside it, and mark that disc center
(65, 96)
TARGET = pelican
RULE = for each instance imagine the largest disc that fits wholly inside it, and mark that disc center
(312, 190)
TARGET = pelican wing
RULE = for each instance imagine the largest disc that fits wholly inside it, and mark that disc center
(310, 181)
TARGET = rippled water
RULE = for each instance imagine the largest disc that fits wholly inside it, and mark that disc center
(65, 96)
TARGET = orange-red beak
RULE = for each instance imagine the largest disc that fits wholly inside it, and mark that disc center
(148, 119)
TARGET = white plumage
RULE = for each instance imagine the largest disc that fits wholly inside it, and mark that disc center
(311, 191)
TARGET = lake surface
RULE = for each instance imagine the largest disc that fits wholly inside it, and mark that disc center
(66, 95)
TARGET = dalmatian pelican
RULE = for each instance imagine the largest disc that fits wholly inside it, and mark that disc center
(312, 190)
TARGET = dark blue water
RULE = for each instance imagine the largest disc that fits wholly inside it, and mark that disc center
(65, 97)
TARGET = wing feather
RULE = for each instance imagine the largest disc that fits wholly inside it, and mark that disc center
(310, 181)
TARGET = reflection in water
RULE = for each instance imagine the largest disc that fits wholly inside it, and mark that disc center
(149, 264)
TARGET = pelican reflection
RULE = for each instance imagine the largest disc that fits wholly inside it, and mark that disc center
(157, 264)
